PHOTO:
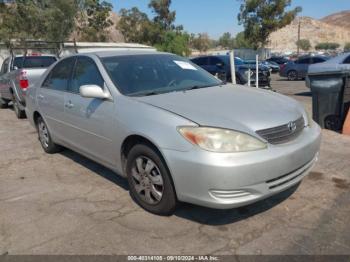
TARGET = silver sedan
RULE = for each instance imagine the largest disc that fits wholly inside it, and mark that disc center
(176, 132)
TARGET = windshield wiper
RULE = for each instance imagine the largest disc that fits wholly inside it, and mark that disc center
(150, 93)
(205, 86)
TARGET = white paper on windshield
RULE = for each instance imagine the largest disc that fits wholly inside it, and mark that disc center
(185, 65)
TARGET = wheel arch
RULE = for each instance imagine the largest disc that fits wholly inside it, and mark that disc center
(132, 140)
(36, 116)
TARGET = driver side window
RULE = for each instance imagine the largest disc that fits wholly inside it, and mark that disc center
(85, 73)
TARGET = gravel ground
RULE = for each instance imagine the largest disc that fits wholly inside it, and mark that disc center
(67, 204)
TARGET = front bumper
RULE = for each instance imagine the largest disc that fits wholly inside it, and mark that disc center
(264, 79)
(231, 180)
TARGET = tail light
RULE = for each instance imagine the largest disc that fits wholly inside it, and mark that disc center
(23, 80)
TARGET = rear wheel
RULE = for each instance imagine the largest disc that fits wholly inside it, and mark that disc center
(45, 138)
(3, 103)
(149, 180)
(18, 111)
(292, 75)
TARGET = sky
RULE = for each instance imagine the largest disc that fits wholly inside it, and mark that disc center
(209, 16)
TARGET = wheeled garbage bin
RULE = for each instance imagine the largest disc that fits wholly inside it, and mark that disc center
(330, 98)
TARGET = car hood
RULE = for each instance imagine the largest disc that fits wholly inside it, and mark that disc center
(230, 106)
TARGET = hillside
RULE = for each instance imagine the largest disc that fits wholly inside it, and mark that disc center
(333, 28)
(114, 34)
(341, 19)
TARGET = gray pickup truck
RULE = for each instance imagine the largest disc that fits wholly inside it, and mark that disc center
(17, 74)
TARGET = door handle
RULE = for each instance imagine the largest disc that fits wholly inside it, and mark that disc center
(40, 97)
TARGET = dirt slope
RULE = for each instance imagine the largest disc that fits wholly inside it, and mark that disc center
(333, 28)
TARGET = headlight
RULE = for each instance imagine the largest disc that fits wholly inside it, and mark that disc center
(221, 140)
(245, 73)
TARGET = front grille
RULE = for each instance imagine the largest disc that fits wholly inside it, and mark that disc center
(284, 133)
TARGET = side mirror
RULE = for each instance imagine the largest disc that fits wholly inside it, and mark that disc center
(15, 68)
(94, 91)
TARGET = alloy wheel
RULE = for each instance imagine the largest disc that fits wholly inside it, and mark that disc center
(292, 75)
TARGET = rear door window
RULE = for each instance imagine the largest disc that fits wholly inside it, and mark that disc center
(34, 61)
(85, 73)
(59, 76)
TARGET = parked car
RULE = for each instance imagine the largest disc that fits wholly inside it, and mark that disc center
(220, 65)
(338, 63)
(176, 132)
(273, 66)
(297, 69)
(16, 74)
(278, 59)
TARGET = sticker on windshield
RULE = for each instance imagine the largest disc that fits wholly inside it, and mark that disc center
(185, 65)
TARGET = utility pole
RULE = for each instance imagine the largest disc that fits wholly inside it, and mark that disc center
(298, 48)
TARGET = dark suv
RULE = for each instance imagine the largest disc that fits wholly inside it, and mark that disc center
(297, 69)
(220, 65)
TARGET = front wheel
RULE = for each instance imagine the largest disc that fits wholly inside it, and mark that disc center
(45, 138)
(150, 181)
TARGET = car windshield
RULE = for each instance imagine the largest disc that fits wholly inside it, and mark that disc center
(34, 61)
(151, 74)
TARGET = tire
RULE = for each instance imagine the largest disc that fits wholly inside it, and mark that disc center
(149, 181)
(19, 113)
(238, 80)
(45, 138)
(292, 75)
(3, 103)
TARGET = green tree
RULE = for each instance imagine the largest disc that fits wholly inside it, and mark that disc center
(174, 42)
(163, 16)
(159, 32)
(38, 19)
(94, 20)
(60, 20)
(241, 41)
(304, 44)
(55, 20)
(347, 47)
(201, 42)
(226, 41)
(327, 46)
(262, 17)
(131, 24)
